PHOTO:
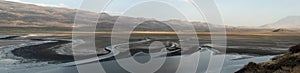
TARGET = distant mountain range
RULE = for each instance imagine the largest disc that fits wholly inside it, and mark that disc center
(20, 15)
(290, 22)
(17, 15)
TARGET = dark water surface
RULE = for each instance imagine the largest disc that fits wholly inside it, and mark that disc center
(10, 63)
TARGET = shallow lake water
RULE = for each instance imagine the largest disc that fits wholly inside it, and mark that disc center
(11, 64)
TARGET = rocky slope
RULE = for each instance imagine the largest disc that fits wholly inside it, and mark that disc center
(285, 63)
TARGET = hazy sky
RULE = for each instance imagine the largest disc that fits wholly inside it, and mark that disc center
(234, 12)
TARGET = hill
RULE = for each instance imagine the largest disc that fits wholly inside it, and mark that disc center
(290, 22)
(285, 63)
(15, 16)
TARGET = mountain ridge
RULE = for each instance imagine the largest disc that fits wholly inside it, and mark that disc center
(289, 22)
(15, 14)
(18, 15)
